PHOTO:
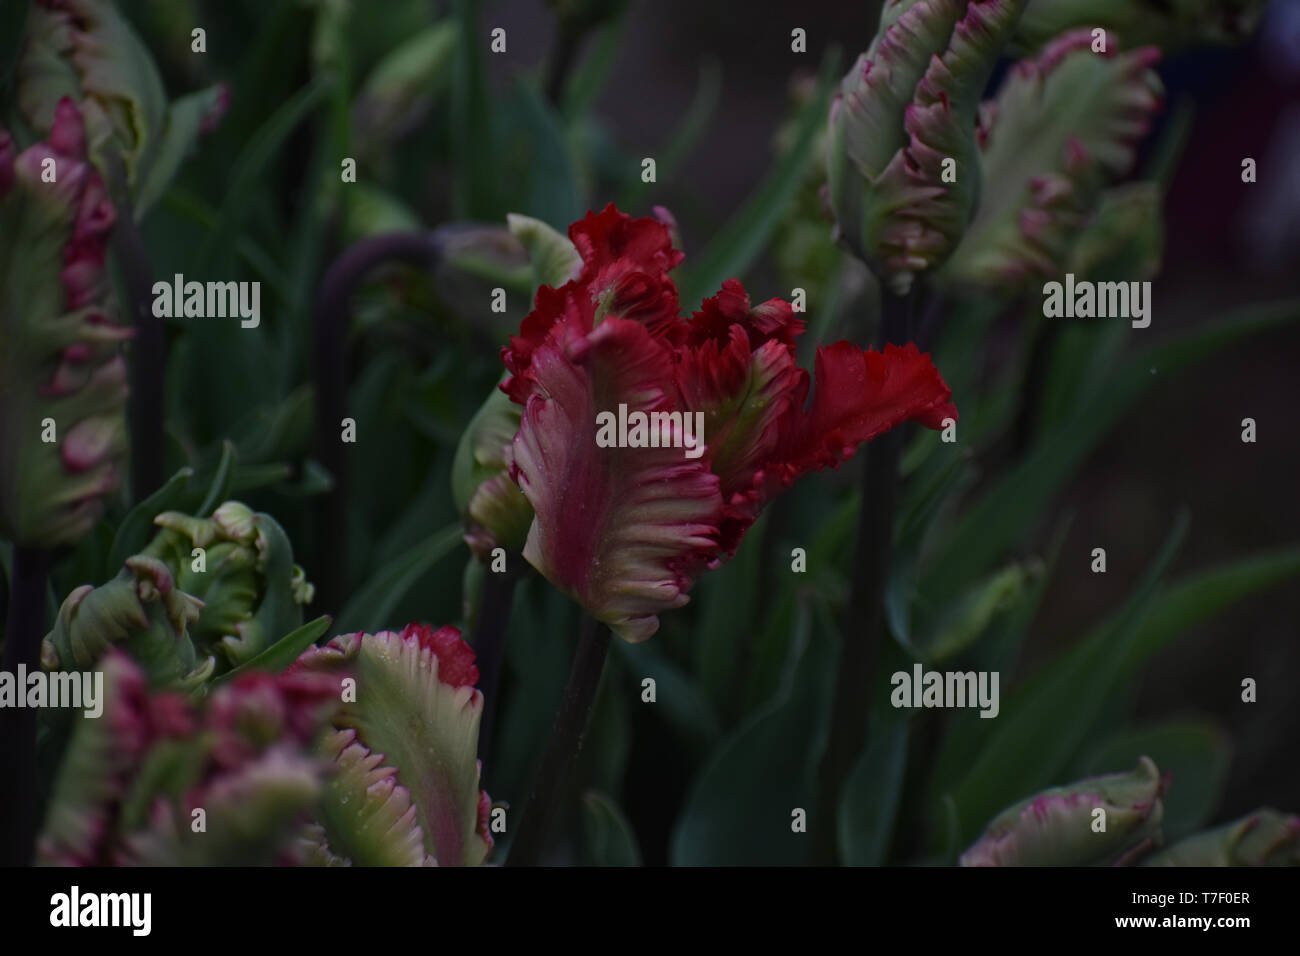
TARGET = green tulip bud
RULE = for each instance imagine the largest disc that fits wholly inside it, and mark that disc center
(402, 87)
(1265, 838)
(495, 511)
(903, 166)
(1098, 821)
(143, 610)
(1126, 238)
(251, 590)
(203, 588)
(1063, 126)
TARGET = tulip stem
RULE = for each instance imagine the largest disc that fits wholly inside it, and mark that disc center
(489, 648)
(342, 279)
(864, 617)
(567, 734)
(1032, 385)
(148, 358)
(24, 629)
(565, 53)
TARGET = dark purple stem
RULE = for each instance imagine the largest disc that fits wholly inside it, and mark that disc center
(330, 374)
(864, 618)
(489, 649)
(148, 359)
(567, 733)
(24, 629)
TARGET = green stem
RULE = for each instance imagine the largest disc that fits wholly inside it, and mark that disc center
(864, 619)
(567, 733)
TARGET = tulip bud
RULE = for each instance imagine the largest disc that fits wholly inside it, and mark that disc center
(143, 610)
(1048, 154)
(1170, 24)
(406, 791)
(250, 590)
(62, 420)
(1061, 826)
(203, 587)
(1265, 838)
(1126, 238)
(903, 166)
(85, 50)
(553, 256)
(495, 511)
(133, 779)
(402, 87)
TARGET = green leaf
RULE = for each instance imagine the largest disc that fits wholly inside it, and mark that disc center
(740, 809)
(968, 618)
(249, 168)
(998, 519)
(137, 528)
(589, 78)
(1194, 754)
(740, 242)
(552, 189)
(374, 602)
(470, 129)
(1194, 601)
(13, 17)
(1043, 725)
(608, 839)
(684, 706)
(184, 118)
(283, 652)
(684, 138)
(869, 803)
(220, 486)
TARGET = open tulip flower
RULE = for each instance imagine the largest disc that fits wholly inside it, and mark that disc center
(626, 530)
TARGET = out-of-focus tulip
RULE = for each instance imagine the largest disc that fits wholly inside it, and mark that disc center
(1063, 126)
(403, 86)
(1061, 826)
(159, 781)
(63, 377)
(1264, 838)
(85, 50)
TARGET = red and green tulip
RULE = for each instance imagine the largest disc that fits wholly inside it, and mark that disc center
(627, 531)
(406, 788)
